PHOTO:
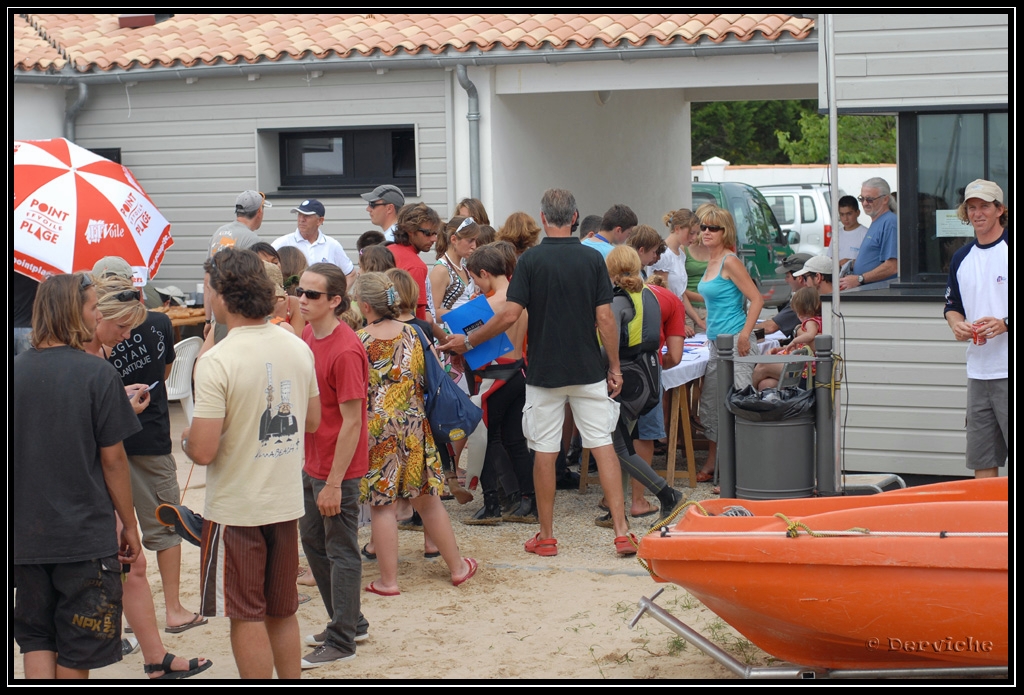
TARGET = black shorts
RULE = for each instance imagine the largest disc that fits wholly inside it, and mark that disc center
(73, 609)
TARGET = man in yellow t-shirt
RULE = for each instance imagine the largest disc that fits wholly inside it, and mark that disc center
(256, 397)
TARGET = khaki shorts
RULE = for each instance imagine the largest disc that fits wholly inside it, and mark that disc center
(154, 482)
(988, 423)
(593, 411)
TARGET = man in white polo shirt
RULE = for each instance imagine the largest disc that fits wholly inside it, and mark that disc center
(318, 247)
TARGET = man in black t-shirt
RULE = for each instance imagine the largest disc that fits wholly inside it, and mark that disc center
(68, 475)
(564, 287)
(21, 295)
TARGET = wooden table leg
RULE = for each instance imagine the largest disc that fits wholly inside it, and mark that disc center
(684, 415)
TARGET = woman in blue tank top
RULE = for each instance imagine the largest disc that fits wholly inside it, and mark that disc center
(725, 286)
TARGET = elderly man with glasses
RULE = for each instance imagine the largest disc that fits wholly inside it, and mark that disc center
(876, 260)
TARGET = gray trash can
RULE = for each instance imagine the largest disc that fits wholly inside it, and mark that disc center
(774, 443)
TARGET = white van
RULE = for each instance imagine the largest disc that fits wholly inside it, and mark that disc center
(804, 211)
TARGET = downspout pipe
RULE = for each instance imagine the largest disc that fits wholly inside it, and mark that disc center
(473, 116)
(71, 116)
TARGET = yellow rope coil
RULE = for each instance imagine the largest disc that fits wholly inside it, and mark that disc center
(793, 528)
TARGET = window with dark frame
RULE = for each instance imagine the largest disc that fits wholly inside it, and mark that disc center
(948, 151)
(344, 161)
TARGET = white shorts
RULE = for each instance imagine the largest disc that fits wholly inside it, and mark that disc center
(594, 412)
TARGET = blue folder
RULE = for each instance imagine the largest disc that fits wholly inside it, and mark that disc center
(471, 316)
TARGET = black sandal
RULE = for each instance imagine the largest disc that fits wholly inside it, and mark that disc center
(165, 666)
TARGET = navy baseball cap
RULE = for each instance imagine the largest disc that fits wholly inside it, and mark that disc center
(310, 207)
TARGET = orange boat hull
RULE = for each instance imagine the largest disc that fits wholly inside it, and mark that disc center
(854, 602)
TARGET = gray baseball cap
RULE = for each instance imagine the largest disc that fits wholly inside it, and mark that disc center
(251, 201)
(793, 263)
(387, 193)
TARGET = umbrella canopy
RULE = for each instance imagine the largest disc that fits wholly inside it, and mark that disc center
(73, 207)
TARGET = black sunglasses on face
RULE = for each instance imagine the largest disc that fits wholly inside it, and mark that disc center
(312, 294)
(427, 232)
(377, 203)
(711, 228)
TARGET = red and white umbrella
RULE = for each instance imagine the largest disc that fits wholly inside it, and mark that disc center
(73, 207)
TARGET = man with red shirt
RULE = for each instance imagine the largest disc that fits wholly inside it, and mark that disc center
(415, 232)
(336, 458)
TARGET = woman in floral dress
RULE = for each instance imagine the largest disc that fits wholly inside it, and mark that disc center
(403, 459)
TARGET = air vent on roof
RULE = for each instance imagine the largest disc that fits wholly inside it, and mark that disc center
(134, 21)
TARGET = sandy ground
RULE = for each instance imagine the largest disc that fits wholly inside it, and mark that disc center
(521, 616)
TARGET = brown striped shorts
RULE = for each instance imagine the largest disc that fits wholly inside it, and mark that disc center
(248, 572)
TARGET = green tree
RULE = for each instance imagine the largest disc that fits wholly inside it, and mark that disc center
(862, 140)
(743, 132)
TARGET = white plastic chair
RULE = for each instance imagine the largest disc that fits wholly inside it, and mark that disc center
(179, 383)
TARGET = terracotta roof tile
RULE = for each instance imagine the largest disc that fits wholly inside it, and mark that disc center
(47, 42)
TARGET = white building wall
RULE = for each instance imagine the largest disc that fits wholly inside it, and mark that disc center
(194, 147)
(904, 396)
(633, 149)
(37, 111)
(901, 61)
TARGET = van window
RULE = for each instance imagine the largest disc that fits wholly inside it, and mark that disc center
(807, 211)
(700, 197)
(783, 207)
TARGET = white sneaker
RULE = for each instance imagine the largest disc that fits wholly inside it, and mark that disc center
(129, 645)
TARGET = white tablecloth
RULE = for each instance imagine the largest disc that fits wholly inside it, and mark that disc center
(692, 366)
(695, 361)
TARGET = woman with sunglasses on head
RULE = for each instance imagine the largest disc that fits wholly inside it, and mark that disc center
(450, 283)
(724, 286)
(121, 310)
(293, 262)
(403, 458)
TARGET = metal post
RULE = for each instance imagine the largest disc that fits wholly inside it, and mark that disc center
(726, 449)
(826, 463)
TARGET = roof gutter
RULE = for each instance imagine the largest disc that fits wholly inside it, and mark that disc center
(71, 115)
(450, 58)
(473, 116)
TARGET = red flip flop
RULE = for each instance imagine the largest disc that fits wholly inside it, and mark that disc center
(374, 590)
(472, 570)
(703, 477)
(545, 547)
(627, 545)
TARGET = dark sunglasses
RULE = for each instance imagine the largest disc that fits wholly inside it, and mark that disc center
(312, 294)
(86, 282)
(427, 232)
(129, 296)
(869, 200)
(711, 228)
(378, 203)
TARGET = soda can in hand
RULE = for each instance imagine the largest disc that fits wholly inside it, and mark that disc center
(977, 334)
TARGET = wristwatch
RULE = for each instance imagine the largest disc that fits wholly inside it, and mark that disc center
(1006, 323)
(860, 279)
(469, 345)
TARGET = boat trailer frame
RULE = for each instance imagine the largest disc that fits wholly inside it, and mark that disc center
(791, 671)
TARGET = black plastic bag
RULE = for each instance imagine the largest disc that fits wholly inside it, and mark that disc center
(770, 405)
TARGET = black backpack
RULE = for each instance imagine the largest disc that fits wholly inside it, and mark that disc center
(639, 354)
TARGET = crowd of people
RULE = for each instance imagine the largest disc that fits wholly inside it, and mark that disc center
(310, 401)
